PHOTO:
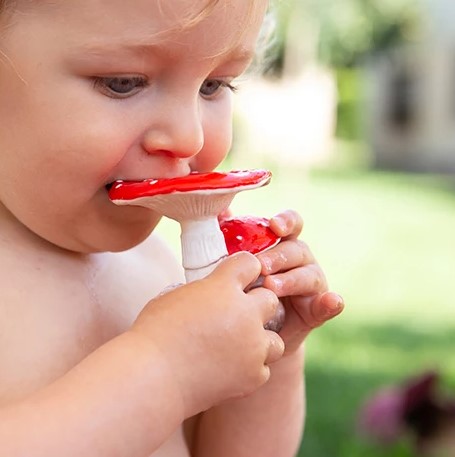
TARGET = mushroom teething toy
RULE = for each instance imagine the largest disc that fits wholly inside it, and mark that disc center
(195, 201)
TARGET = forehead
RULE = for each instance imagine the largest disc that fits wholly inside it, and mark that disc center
(216, 24)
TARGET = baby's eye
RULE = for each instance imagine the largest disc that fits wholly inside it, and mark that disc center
(120, 86)
(210, 87)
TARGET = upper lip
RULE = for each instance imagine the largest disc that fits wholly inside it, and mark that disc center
(168, 175)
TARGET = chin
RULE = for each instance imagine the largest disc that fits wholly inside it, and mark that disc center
(121, 230)
(107, 244)
(121, 239)
(108, 237)
(125, 244)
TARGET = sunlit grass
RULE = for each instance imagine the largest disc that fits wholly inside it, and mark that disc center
(387, 244)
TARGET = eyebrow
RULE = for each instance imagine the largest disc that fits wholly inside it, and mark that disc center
(237, 54)
(103, 48)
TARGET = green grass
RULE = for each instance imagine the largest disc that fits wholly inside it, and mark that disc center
(387, 244)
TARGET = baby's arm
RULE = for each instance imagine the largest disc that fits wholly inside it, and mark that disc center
(128, 396)
(121, 400)
(270, 422)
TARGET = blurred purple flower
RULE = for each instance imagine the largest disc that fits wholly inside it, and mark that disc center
(415, 408)
(381, 418)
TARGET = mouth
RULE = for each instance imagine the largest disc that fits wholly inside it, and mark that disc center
(109, 185)
(165, 168)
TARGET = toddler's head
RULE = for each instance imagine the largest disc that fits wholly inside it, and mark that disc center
(91, 92)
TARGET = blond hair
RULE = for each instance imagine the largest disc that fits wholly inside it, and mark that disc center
(265, 44)
(205, 11)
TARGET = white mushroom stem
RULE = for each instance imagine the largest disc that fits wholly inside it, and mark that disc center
(203, 246)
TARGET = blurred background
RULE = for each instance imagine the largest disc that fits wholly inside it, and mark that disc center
(354, 113)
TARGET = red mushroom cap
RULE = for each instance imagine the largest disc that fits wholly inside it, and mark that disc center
(248, 233)
(194, 182)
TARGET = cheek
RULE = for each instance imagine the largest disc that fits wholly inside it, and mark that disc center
(93, 149)
(62, 140)
(88, 149)
(96, 138)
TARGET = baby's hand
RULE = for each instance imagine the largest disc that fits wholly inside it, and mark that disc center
(211, 334)
(294, 275)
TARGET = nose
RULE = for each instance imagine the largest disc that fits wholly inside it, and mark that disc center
(176, 130)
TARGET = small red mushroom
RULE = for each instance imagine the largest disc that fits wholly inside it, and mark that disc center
(248, 233)
(195, 202)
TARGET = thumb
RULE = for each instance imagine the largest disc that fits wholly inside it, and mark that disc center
(242, 267)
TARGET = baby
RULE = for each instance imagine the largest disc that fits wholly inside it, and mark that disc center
(96, 361)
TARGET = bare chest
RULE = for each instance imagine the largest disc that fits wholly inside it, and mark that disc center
(43, 340)
(57, 309)
(54, 311)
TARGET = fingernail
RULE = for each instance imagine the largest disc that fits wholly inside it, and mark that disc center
(280, 222)
(338, 305)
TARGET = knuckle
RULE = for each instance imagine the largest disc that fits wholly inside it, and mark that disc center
(319, 281)
(304, 252)
(277, 258)
(311, 322)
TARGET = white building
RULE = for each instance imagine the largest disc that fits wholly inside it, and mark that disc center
(411, 101)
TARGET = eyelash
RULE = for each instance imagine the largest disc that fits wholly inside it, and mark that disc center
(101, 83)
(220, 84)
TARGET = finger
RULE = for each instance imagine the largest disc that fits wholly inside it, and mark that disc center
(266, 301)
(285, 256)
(258, 282)
(303, 314)
(276, 347)
(307, 281)
(276, 323)
(330, 305)
(243, 267)
(315, 311)
(287, 224)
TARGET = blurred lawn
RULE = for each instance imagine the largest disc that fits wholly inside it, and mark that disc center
(387, 244)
